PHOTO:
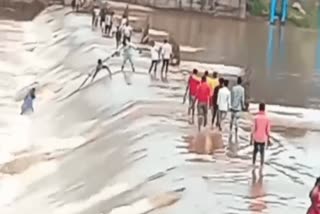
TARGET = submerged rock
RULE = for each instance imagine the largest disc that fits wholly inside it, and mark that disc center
(206, 142)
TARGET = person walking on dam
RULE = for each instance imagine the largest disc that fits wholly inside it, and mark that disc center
(191, 90)
(237, 105)
(27, 105)
(127, 54)
(99, 67)
(260, 137)
(315, 198)
(166, 56)
(118, 37)
(127, 32)
(155, 56)
(224, 103)
(214, 101)
(203, 99)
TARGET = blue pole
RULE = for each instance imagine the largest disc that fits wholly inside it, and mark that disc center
(284, 11)
(273, 11)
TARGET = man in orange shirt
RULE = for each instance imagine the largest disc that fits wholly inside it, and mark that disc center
(191, 89)
(203, 99)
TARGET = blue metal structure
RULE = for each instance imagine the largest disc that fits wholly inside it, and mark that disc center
(275, 14)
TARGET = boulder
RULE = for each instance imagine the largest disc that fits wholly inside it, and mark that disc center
(206, 142)
(298, 7)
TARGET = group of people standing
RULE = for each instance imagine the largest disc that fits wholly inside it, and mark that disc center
(210, 92)
(103, 18)
(158, 53)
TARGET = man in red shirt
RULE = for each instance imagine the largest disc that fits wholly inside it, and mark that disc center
(203, 99)
(191, 89)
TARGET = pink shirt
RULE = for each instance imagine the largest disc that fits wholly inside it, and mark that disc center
(261, 128)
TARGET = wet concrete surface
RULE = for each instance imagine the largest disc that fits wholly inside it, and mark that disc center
(135, 135)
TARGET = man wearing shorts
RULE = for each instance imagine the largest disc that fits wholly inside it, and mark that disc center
(203, 99)
(260, 134)
(192, 86)
(224, 103)
(237, 104)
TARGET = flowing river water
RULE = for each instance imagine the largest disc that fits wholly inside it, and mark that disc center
(114, 148)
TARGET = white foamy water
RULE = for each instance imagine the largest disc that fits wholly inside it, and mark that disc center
(132, 133)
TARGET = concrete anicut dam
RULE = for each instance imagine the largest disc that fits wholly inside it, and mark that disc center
(115, 148)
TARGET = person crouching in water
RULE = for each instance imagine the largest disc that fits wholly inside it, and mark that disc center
(260, 134)
(191, 89)
(155, 56)
(127, 54)
(27, 105)
(315, 198)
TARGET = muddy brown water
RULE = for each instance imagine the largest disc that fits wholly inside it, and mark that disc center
(138, 134)
(285, 60)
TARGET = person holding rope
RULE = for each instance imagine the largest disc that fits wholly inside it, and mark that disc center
(99, 67)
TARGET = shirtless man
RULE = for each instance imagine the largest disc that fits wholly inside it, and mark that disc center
(99, 67)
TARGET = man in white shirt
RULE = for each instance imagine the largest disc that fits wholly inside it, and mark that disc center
(154, 57)
(166, 55)
(224, 103)
(127, 32)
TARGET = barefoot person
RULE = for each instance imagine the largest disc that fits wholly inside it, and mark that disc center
(108, 24)
(127, 32)
(127, 54)
(166, 56)
(27, 105)
(191, 90)
(260, 134)
(237, 104)
(214, 101)
(118, 37)
(203, 99)
(224, 103)
(154, 58)
(99, 67)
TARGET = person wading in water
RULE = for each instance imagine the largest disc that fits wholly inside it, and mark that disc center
(224, 103)
(99, 67)
(214, 101)
(237, 105)
(260, 137)
(27, 105)
(154, 58)
(191, 89)
(203, 99)
(166, 56)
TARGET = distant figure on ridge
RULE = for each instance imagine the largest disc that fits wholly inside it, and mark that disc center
(27, 105)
